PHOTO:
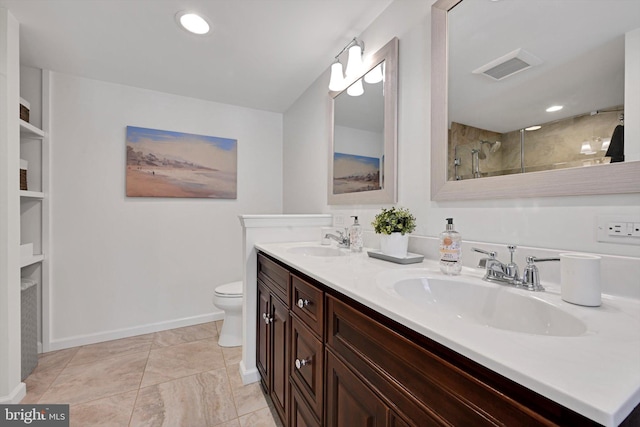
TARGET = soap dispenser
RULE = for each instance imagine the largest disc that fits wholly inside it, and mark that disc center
(355, 236)
(450, 250)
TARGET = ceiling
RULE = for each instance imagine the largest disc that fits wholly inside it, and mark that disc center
(580, 44)
(261, 54)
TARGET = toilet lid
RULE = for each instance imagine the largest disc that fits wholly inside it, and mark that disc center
(234, 288)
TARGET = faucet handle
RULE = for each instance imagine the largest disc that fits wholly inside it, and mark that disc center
(531, 275)
(491, 254)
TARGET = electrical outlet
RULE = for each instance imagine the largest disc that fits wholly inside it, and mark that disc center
(623, 229)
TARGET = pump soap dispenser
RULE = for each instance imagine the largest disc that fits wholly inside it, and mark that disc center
(355, 236)
(450, 250)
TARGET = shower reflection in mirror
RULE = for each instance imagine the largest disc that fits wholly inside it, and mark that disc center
(592, 138)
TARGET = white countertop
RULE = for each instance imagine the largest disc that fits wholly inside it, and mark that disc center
(596, 374)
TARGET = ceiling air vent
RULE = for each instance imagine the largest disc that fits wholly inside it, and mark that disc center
(509, 64)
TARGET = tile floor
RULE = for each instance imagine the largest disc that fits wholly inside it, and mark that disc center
(174, 378)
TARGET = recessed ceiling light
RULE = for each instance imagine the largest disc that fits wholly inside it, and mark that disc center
(554, 108)
(193, 22)
(536, 127)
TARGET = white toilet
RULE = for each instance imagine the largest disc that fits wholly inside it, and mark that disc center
(228, 298)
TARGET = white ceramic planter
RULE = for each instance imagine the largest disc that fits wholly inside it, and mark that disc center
(394, 244)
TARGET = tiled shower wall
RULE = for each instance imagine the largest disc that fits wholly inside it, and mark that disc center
(556, 145)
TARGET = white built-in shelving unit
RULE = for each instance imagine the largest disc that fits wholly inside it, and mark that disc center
(34, 202)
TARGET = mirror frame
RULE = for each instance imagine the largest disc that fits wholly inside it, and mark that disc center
(387, 194)
(614, 178)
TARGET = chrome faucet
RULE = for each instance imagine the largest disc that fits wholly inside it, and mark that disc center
(508, 274)
(342, 238)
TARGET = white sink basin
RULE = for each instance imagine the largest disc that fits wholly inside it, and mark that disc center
(318, 251)
(491, 305)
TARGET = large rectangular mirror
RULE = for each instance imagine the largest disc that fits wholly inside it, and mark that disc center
(479, 117)
(362, 158)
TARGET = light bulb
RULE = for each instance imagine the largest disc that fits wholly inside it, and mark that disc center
(375, 75)
(354, 64)
(586, 148)
(356, 89)
(336, 82)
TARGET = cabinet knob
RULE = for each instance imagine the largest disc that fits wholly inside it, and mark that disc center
(302, 362)
(266, 318)
(302, 303)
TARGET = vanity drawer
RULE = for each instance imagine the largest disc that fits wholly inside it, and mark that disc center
(438, 387)
(307, 302)
(274, 276)
(307, 365)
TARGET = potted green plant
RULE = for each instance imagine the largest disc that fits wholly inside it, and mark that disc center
(394, 225)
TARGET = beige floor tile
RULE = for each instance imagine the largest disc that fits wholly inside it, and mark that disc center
(91, 381)
(202, 400)
(261, 418)
(232, 423)
(56, 360)
(232, 355)
(182, 360)
(38, 383)
(185, 335)
(235, 379)
(104, 350)
(113, 411)
(249, 398)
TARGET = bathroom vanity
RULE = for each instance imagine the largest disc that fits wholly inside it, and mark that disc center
(337, 345)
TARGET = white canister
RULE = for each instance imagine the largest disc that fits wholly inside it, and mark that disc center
(580, 279)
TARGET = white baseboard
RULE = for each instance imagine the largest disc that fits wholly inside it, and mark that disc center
(133, 331)
(248, 375)
(15, 396)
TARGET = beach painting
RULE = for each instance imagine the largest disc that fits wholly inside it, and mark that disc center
(353, 173)
(162, 163)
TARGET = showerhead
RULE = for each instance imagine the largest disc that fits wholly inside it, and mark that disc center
(493, 147)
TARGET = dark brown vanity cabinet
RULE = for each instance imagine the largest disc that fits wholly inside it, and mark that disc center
(272, 358)
(338, 363)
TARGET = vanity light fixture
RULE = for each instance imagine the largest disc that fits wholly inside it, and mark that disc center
(192, 22)
(376, 75)
(536, 127)
(554, 108)
(356, 89)
(354, 65)
(586, 148)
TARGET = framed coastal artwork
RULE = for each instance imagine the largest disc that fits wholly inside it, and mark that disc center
(354, 173)
(163, 163)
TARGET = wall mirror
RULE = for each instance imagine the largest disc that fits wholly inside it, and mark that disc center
(362, 158)
(490, 81)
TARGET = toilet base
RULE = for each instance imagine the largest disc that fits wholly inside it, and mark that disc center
(229, 336)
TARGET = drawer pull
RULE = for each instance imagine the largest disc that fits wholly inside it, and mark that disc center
(301, 363)
(302, 303)
(266, 318)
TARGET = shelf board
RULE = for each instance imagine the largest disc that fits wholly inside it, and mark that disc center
(31, 194)
(28, 130)
(34, 259)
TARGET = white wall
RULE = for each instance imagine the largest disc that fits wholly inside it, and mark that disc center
(561, 223)
(122, 266)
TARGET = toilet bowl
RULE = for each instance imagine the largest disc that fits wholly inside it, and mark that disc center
(228, 298)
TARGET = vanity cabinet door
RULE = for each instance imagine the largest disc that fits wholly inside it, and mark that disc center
(280, 356)
(350, 403)
(262, 335)
(301, 414)
(307, 365)
(272, 352)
